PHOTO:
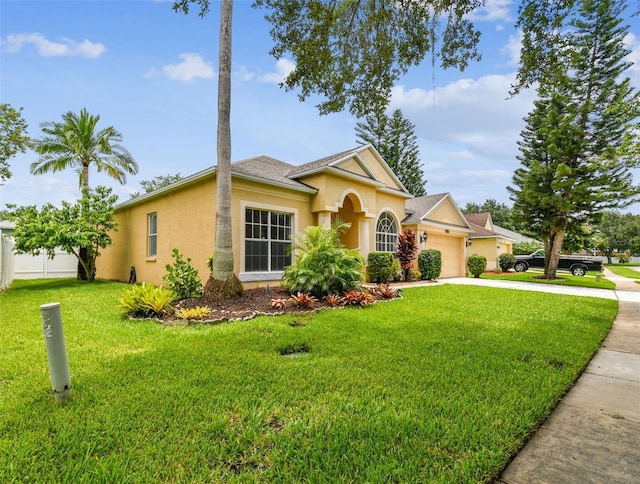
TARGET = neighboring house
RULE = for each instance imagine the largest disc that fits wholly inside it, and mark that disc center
(515, 236)
(271, 201)
(486, 240)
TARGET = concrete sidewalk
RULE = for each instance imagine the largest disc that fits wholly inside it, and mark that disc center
(593, 435)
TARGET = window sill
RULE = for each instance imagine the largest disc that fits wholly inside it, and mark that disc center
(150, 259)
(260, 276)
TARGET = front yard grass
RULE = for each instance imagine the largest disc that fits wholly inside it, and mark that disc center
(443, 385)
(624, 270)
(564, 278)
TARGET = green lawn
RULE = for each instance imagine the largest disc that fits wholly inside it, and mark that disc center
(564, 279)
(624, 270)
(443, 385)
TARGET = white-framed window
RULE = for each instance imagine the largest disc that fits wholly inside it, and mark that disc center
(267, 240)
(386, 233)
(152, 235)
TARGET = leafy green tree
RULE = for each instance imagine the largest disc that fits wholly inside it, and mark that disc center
(617, 232)
(85, 223)
(394, 138)
(576, 146)
(156, 183)
(76, 143)
(13, 137)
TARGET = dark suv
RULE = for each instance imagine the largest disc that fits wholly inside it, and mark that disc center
(578, 265)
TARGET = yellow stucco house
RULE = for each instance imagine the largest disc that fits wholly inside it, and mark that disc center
(486, 241)
(271, 202)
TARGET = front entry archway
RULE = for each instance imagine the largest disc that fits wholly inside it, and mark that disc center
(350, 211)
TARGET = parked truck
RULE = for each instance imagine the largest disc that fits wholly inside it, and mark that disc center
(578, 265)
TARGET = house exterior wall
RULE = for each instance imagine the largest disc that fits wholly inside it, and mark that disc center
(487, 248)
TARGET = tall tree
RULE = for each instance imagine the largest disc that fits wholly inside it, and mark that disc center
(13, 137)
(76, 143)
(579, 139)
(394, 138)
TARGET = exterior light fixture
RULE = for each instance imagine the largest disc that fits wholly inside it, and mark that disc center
(468, 242)
(423, 237)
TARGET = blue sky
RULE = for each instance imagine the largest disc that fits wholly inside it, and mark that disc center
(151, 73)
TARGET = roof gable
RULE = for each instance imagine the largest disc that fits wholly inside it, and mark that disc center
(439, 208)
(364, 162)
(480, 219)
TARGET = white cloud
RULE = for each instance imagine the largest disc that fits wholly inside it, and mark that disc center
(494, 10)
(474, 114)
(512, 49)
(48, 48)
(464, 155)
(632, 43)
(284, 67)
(193, 66)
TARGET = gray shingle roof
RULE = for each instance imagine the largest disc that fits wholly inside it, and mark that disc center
(321, 162)
(420, 207)
(266, 168)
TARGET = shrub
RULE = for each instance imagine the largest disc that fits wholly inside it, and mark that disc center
(199, 312)
(396, 270)
(358, 298)
(304, 300)
(526, 248)
(387, 292)
(506, 262)
(323, 266)
(147, 301)
(406, 252)
(182, 278)
(477, 264)
(380, 266)
(623, 258)
(430, 264)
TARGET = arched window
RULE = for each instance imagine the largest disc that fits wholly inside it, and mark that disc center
(386, 233)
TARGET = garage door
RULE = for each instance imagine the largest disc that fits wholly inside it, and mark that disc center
(450, 249)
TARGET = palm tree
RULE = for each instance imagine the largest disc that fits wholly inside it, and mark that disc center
(75, 143)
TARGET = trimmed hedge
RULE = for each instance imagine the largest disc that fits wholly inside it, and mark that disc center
(506, 261)
(477, 264)
(430, 264)
(380, 266)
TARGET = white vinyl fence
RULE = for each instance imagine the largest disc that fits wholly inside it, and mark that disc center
(7, 272)
(25, 266)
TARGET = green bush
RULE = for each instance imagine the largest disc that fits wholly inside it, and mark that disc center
(623, 258)
(182, 278)
(477, 264)
(430, 264)
(506, 262)
(526, 248)
(147, 301)
(323, 266)
(380, 266)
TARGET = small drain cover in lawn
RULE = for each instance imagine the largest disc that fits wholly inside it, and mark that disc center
(295, 350)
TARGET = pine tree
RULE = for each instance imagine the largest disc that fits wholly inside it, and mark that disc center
(576, 146)
(394, 138)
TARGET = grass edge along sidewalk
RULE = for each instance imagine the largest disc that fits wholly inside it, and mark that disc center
(443, 385)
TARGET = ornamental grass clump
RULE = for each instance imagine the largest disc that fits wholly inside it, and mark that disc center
(148, 301)
(323, 265)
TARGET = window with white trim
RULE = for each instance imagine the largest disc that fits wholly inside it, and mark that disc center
(267, 240)
(152, 235)
(386, 233)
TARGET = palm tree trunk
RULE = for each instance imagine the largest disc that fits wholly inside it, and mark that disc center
(222, 267)
(81, 273)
